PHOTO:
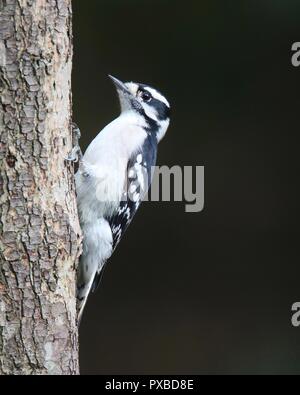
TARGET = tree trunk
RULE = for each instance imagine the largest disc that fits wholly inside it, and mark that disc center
(39, 229)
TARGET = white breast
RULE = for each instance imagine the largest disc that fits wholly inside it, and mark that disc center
(100, 181)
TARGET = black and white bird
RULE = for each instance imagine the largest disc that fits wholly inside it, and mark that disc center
(114, 175)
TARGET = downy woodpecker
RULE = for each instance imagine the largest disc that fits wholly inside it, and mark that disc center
(114, 175)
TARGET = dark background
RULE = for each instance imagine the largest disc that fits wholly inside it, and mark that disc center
(208, 292)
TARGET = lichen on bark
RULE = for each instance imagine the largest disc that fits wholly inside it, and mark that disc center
(39, 229)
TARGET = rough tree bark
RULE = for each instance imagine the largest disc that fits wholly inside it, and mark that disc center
(39, 229)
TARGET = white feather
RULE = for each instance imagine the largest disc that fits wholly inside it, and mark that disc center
(101, 178)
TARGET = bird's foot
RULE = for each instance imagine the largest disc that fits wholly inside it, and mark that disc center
(75, 155)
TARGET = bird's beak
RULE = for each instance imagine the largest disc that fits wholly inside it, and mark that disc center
(127, 99)
(119, 85)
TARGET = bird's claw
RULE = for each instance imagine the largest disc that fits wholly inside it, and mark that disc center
(75, 155)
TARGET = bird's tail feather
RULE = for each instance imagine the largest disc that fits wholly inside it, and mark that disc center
(82, 297)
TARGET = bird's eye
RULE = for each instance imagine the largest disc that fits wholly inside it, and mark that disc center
(146, 96)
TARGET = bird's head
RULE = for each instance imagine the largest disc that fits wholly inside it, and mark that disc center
(145, 102)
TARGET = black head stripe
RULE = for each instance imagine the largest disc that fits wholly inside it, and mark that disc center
(163, 111)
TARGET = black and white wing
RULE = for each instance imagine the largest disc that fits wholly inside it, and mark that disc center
(139, 177)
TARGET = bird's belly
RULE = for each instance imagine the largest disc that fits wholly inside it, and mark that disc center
(99, 193)
(108, 194)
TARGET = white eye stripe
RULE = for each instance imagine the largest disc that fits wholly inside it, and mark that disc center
(133, 87)
(157, 95)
